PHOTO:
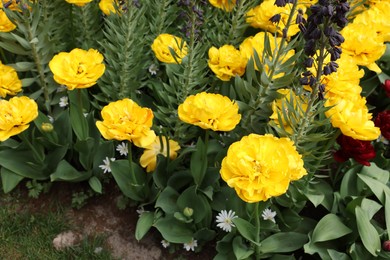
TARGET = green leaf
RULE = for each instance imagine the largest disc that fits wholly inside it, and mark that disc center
(9, 179)
(199, 162)
(198, 202)
(173, 230)
(77, 119)
(246, 229)
(22, 162)
(240, 249)
(348, 184)
(377, 187)
(95, 184)
(131, 186)
(387, 213)
(367, 232)
(167, 200)
(66, 172)
(87, 149)
(283, 242)
(144, 223)
(335, 255)
(375, 172)
(328, 228)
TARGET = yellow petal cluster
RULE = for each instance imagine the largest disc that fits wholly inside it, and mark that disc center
(108, 6)
(5, 24)
(226, 62)
(148, 159)
(126, 120)
(15, 116)
(352, 117)
(210, 111)
(363, 45)
(377, 19)
(259, 167)
(279, 106)
(10, 84)
(78, 68)
(259, 17)
(256, 43)
(78, 2)
(165, 44)
(226, 5)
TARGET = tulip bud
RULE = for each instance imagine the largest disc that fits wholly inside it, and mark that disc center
(188, 212)
(386, 87)
(386, 245)
(47, 127)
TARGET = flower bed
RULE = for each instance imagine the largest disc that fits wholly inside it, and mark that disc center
(261, 125)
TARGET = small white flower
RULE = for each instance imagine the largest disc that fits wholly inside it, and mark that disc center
(85, 114)
(190, 245)
(165, 243)
(51, 119)
(106, 166)
(224, 220)
(123, 148)
(64, 101)
(269, 215)
(153, 69)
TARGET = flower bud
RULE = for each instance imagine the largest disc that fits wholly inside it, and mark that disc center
(386, 245)
(47, 127)
(386, 87)
(188, 212)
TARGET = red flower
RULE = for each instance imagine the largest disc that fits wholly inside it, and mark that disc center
(360, 151)
(386, 87)
(386, 245)
(382, 121)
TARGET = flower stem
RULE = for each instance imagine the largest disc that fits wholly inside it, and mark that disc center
(257, 223)
(130, 158)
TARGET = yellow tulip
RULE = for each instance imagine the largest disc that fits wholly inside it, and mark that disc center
(78, 2)
(78, 68)
(165, 44)
(15, 116)
(226, 5)
(126, 120)
(10, 84)
(148, 159)
(226, 62)
(210, 111)
(259, 167)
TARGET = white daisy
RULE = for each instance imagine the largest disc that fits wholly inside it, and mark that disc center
(269, 215)
(165, 243)
(224, 220)
(123, 148)
(64, 101)
(190, 245)
(106, 166)
(153, 69)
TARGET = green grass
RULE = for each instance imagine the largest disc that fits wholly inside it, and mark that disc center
(26, 235)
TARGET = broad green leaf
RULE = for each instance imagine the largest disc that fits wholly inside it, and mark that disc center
(387, 213)
(367, 232)
(66, 172)
(348, 184)
(315, 196)
(198, 163)
(95, 184)
(173, 230)
(131, 186)
(375, 172)
(197, 201)
(240, 249)
(22, 162)
(371, 207)
(205, 234)
(377, 187)
(328, 228)
(144, 223)
(9, 179)
(335, 255)
(283, 242)
(167, 200)
(246, 229)
(77, 119)
(87, 149)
